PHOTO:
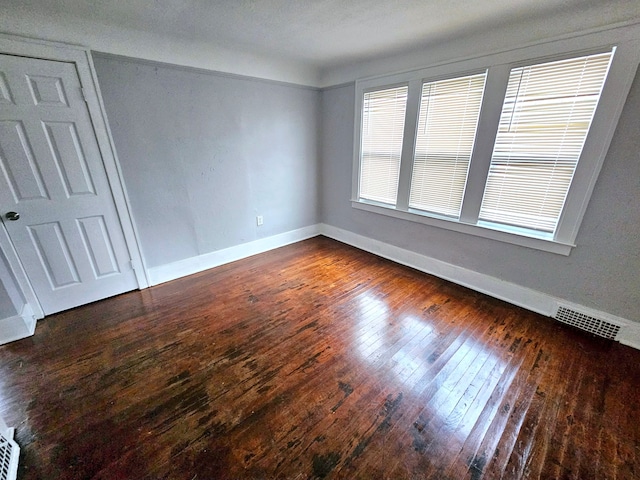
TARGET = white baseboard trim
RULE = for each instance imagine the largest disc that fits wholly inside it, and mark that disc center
(629, 334)
(18, 327)
(189, 266)
(524, 297)
(533, 300)
(509, 292)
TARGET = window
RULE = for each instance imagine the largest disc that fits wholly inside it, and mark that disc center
(449, 111)
(545, 118)
(383, 115)
(509, 150)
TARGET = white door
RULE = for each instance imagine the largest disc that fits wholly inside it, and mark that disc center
(55, 199)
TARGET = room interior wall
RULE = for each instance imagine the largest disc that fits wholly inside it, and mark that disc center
(202, 154)
(600, 273)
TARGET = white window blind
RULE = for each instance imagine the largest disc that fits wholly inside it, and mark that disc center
(545, 119)
(448, 119)
(383, 115)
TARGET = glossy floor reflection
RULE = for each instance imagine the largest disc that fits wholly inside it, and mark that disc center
(318, 360)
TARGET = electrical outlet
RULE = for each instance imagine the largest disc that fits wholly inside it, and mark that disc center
(259, 220)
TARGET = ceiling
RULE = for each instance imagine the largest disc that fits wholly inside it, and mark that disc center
(322, 34)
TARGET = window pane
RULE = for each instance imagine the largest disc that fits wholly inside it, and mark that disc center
(383, 113)
(449, 111)
(545, 119)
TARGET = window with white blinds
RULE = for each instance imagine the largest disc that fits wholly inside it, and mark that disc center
(383, 116)
(545, 119)
(506, 146)
(447, 123)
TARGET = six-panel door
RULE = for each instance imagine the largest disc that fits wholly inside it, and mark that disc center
(68, 235)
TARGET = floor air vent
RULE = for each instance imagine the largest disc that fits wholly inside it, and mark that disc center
(9, 452)
(586, 322)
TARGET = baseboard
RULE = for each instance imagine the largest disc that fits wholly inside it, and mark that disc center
(18, 327)
(530, 299)
(630, 335)
(189, 266)
(524, 297)
(509, 292)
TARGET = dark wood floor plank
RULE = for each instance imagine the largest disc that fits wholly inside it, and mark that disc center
(354, 404)
(535, 438)
(517, 415)
(318, 360)
(558, 466)
(416, 431)
(419, 422)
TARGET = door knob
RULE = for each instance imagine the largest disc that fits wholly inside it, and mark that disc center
(12, 216)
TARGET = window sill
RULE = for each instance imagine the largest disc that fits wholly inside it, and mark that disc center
(483, 230)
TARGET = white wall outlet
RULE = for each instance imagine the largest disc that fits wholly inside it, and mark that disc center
(259, 220)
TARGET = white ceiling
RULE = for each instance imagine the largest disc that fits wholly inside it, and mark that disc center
(314, 34)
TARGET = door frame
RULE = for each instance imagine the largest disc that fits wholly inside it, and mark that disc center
(81, 57)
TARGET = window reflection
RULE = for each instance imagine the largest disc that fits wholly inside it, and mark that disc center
(373, 326)
(452, 384)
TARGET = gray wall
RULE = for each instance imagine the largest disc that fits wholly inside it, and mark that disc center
(603, 272)
(202, 154)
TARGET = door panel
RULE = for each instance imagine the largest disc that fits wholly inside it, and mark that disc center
(68, 237)
(53, 251)
(5, 95)
(98, 244)
(47, 90)
(18, 164)
(67, 152)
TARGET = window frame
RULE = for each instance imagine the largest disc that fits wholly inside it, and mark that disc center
(498, 66)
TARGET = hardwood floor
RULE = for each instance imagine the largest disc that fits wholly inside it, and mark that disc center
(318, 360)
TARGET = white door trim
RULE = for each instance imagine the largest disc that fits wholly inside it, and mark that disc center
(81, 57)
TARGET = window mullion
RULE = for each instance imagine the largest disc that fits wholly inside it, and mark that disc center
(408, 145)
(495, 89)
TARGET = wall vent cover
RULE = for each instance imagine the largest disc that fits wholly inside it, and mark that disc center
(9, 453)
(591, 324)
